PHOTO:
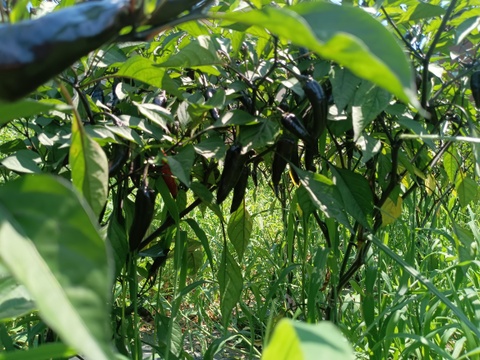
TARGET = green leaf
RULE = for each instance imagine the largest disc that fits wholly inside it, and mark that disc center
(325, 195)
(420, 11)
(203, 239)
(259, 135)
(356, 194)
(155, 113)
(23, 109)
(49, 244)
(144, 70)
(181, 164)
(344, 34)
(231, 285)
(369, 101)
(467, 190)
(15, 300)
(239, 230)
(236, 117)
(23, 161)
(89, 166)
(293, 340)
(344, 86)
(451, 165)
(199, 52)
(42, 352)
(212, 147)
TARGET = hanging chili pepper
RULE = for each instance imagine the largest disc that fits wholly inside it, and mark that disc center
(316, 95)
(119, 158)
(283, 153)
(233, 166)
(295, 126)
(144, 210)
(475, 86)
(240, 189)
(167, 176)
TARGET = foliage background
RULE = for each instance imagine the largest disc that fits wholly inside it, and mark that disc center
(127, 241)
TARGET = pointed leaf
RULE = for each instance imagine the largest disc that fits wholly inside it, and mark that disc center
(369, 101)
(23, 161)
(356, 194)
(49, 244)
(239, 230)
(325, 195)
(181, 164)
(15, 300)
(89, 166)
(145, 70)
(258, 135)
(231, 285)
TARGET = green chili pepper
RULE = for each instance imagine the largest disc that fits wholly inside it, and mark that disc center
(144, 210)
(283, 154)
(295, 126)
(234, 164)
(240, 189)
(33, 51)
(475, 86)
(319, 101)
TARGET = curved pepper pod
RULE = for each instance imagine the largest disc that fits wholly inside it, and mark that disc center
(283, 154)
(318, 99)
(296, 127)
(144, 210)
(240, 189)
(475, 86)
(33, 51)
(234, 164)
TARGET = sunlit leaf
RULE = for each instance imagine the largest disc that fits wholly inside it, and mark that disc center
(294, 340)
(49, 244)
(344, 34)
(325, 195)
(231, 284)
(89, 165)
(391, 211)
(356, 193)
(239, 230)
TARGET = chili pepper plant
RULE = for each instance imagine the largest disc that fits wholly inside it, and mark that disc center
(239, 179)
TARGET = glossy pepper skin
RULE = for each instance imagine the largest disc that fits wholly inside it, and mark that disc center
(119, 158)
(296, 127)
(144, 210)
(475, 86)
(240, 189)
(283, 154)
(318, 99)
(167, 176)
(233, 166)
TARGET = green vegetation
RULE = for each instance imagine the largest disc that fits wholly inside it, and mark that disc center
(239, 179)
